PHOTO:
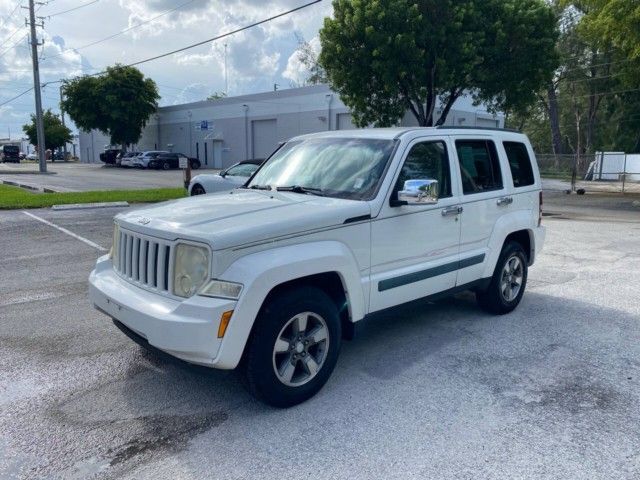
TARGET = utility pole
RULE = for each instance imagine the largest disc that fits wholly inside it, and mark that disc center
(64, 147)
(36, 88)
(226, 77)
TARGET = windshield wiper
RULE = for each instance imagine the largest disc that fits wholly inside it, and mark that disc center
(261, 187)
(301, 189)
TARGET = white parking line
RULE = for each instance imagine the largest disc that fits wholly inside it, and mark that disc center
(64, 230)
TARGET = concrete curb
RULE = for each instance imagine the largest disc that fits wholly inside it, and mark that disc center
(36, 188)
(82, 206)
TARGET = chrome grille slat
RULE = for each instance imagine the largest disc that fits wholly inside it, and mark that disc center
(144, 261)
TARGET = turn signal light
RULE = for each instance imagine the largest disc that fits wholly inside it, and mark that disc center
(224, 323)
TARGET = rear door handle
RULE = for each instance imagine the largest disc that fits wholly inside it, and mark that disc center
(505, 201)
(446, 212)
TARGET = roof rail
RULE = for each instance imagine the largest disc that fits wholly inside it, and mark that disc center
(466, 127)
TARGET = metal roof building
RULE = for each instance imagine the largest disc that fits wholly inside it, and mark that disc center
(225, 131)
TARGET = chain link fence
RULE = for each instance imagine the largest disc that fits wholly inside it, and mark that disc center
(609, 172)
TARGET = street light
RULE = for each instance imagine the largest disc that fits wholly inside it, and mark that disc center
(190, 140)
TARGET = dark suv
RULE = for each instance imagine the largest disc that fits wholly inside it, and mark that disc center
(10, 153)
(168, 161)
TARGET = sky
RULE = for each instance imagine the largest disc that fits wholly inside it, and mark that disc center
(256, 59)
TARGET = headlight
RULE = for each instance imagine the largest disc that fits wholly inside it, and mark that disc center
(220, 289)
(115, 243)
(190, 269)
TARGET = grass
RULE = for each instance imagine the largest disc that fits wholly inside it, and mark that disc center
(16, 197)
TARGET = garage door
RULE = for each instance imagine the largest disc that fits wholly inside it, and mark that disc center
(344, 122)
(264, 138)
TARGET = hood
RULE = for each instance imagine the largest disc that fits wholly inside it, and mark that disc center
(240, 217)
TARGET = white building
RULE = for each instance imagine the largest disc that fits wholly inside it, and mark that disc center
(222, 132)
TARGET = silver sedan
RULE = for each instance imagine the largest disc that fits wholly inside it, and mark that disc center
(228, 179)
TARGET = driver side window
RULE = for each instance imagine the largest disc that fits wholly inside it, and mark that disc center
(427, 161)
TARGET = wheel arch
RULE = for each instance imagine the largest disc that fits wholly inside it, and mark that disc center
(328, 265)
(517, 226)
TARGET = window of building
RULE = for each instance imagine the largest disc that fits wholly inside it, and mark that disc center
(479, 166)
(428, 161)
(519, 163)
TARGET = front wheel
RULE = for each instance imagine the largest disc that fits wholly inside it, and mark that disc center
(166, 166)
(293, 348)
(508, 282)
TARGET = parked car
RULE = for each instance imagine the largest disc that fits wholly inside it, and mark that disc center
(32, 156)
(142, 159)
(109, 156)
(125, 159)
(10, 153)
(232, 177)
(333, 227)
(167, 161)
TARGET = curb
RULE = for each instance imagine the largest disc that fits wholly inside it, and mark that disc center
(82, 206)
(35, 188)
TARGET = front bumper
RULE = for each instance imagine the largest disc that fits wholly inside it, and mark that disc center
(186, 329)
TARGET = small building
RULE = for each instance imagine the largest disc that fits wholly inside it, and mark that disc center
(225, 131)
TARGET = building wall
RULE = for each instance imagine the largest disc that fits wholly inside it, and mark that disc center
(236, 125)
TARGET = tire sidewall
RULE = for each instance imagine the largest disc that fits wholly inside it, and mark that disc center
(259, 363)
(510, 250)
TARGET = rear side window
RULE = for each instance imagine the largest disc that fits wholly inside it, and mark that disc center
(479, 166)
(519, 163)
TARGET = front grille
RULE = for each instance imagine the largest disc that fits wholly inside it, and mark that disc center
(144, 261)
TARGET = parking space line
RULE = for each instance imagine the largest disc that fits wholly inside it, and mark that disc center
(64, 230)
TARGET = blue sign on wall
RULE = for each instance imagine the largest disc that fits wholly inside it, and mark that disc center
(204, 125)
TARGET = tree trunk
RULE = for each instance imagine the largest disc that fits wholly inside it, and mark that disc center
(454, 93)
(554, 120)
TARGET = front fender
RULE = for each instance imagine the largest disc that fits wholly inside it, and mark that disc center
(262, 271)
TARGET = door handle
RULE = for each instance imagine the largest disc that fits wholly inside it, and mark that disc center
(446, 212)
(504, 201)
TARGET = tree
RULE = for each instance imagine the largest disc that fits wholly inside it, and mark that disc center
(616, 22)
(217, 96)
(309, 58)
(55, 134)
(118, 103)
(388, 56)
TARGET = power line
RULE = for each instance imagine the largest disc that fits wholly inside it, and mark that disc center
(72, 9)
(238, 30)
(212, 39)
(12, 34)
(600, 65)
(8, 17)
(16, 97)
(109, 37)
(14, 45)
(182, 49)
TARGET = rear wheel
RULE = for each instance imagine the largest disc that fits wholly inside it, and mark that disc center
(166, 166)
(508, 282)
(293, 348)
(195, 164)
(197, 189)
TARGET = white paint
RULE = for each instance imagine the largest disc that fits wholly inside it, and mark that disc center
(68, 232)
(82, 206)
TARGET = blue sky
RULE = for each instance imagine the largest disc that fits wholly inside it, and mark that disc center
(256, 59)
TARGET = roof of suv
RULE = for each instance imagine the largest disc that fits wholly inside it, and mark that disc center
(397, 132)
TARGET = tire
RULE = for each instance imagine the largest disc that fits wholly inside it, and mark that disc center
(166, 166)
(197, 189)
(504, 292)
(274, 347)
(195, 165)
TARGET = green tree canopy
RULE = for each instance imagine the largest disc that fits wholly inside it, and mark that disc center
(388, 56)
(118, 103)
(55, 134)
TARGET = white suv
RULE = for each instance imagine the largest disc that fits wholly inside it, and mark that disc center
(333, 227)
(143, 159)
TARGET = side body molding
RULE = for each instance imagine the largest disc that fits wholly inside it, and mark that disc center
(262, 271)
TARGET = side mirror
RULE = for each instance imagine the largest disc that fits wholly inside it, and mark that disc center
(419, 192)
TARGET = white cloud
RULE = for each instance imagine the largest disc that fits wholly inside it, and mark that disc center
(296, 71)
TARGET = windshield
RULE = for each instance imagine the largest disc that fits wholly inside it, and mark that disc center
(338, 167)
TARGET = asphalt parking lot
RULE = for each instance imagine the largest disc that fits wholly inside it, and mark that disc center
(80, 177)
(437, 390)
